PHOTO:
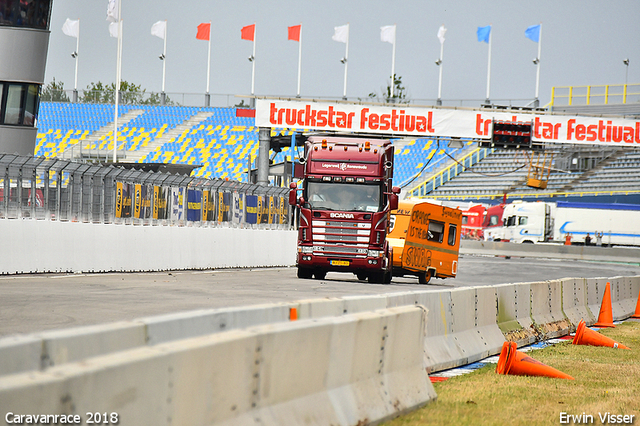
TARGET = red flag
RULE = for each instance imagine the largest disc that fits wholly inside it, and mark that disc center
(248, 32)
(294, 32)
(203, 31)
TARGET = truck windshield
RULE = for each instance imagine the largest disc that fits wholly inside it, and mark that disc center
(344, 196)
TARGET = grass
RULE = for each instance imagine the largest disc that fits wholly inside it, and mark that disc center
(606, 380)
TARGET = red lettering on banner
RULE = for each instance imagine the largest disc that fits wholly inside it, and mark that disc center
(363, 117)
(374, 120)
(331, 114)
(322, 118)
(548, 131)
(479, 120)
(592, 133)
(384, 122)
(430, 122)
(637, 135)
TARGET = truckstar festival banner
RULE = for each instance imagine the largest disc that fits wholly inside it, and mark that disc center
(444, 122)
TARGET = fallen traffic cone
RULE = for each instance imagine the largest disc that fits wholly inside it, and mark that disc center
(605, 319)
(586, 336)
(513, 362)
(637, 314)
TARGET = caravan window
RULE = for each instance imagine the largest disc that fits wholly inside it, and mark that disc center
(436, 231)
(452, 235)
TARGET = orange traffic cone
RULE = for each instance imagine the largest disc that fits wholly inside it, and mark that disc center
(586, 336)
(637, 314)
(605, 319)
(512, 361)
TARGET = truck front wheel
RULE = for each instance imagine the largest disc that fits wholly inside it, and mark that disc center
(305, 273)
(320, 275)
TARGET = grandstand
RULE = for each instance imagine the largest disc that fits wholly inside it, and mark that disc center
(221, 142)
(225, 145)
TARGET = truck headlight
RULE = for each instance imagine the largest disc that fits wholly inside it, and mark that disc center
(375, 253)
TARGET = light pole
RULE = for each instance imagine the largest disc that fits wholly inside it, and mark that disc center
(626, 74)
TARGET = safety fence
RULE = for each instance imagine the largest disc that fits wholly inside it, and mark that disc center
(61, 190)
(595, 95)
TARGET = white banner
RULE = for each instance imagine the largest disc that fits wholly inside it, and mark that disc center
(428, 122)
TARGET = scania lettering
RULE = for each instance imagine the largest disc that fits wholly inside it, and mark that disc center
(347, 195)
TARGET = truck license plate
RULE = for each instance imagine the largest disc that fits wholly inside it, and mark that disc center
(339, 263)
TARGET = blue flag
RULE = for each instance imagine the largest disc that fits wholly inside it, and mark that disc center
(533, 33)
(484, 33)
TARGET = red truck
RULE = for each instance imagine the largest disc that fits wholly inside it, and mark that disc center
(347, 195)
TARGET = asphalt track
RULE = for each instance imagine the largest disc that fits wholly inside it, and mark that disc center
(32, 303)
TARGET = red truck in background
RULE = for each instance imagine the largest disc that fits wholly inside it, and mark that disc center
(472, 219)
(492, 229)
(347, 195)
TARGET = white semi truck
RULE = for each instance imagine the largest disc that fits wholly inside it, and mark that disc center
(534, 222)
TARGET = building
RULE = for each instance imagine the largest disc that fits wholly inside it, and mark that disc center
(24, 40)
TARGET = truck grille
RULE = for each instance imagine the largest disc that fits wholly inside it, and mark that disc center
(340, 238)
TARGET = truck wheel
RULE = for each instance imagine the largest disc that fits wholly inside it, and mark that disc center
(361, 276)
(305, 273)
(387, 278)
(320, 275)
(425, 277)
(376, 278)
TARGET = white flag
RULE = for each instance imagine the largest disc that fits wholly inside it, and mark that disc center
(388, 34)
(341, 33)
(441, 33)
(112, 11)
(159, 29)
(71, 28)
(113, 29)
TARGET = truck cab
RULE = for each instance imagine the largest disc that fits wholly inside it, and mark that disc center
(347, 195)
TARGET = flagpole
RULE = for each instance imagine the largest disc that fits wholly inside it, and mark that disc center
(346, 64)
(537, 101)
(393, 62)
(439, 101)
(117, 85)
(75, 86)
(487, 101)
(253, 61)
(207, 96)
(299, 59)
(164, 55)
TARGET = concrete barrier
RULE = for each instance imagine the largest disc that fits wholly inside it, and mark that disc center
(182, 325)
(353, 369)
(555, 251)
(574, 301)
(595, 291)
(514, 313)
(89, 247)
(546, 309)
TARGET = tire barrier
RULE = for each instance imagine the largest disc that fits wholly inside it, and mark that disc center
(354, 369)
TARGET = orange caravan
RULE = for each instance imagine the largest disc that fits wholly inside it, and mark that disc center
(425, 238)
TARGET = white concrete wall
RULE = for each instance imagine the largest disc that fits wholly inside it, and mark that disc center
(30, 246)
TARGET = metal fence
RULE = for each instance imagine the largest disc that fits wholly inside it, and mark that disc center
(53, 189)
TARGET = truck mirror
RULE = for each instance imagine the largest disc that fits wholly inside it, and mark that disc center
(293, 193)
(396, 189)
(298, 170)
(301, 201)
(393, 201)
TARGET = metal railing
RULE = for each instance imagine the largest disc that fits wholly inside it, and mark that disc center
(53, 189)
(448, 173)
(595, 95)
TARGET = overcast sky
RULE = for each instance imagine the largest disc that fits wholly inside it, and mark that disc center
(583, 43)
